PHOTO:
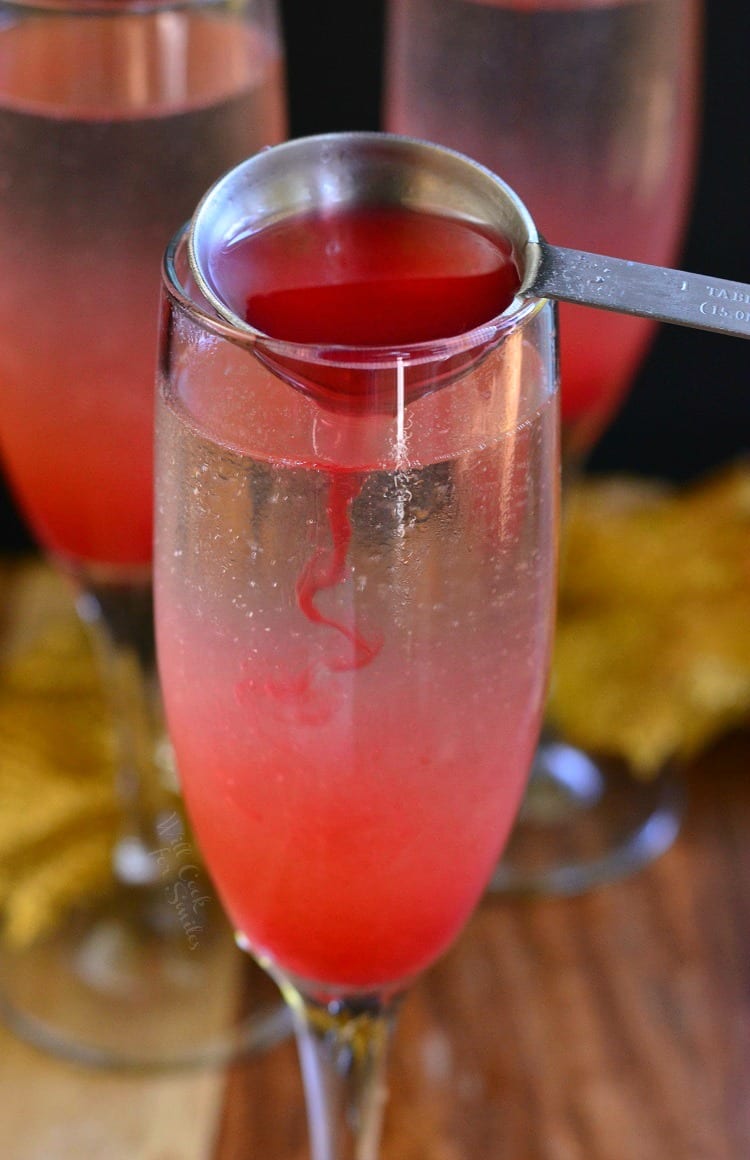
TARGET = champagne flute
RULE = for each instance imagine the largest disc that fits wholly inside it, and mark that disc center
(113, 117)
(589, 109)
(355, 549)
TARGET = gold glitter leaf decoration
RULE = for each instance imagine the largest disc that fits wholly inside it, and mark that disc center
(652, 655)
(57, 810)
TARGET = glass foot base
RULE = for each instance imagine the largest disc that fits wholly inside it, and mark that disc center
(584, 823)
(108, 992)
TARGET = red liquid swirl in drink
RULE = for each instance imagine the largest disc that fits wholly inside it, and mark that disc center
(364, 277)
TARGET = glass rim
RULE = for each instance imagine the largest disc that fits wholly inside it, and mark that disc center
(491, 332)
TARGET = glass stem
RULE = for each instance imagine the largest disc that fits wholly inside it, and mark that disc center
(343, 1047)
(119, 617)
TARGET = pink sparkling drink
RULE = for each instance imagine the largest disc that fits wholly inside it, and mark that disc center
(111, 124)
(588, 108)
(352, 641)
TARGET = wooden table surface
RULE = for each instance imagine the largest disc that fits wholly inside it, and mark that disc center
(614, 1026)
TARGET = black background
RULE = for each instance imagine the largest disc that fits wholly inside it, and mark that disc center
(689, 410)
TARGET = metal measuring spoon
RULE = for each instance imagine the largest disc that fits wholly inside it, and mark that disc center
(656, 292)
(380, 168)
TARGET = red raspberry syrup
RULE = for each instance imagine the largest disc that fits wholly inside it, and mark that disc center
(367, 277)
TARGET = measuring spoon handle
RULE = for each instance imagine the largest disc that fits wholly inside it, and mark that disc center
(695, 300)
